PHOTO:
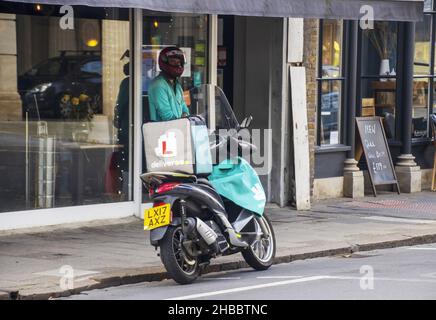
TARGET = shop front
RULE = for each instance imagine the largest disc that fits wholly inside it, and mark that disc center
(74, 94)
(386, 71)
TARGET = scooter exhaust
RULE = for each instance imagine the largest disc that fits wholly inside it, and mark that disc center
(206, 232)
(197, 226)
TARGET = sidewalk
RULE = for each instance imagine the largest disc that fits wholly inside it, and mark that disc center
(118, 252)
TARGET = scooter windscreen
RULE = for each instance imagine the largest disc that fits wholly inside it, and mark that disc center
(209, 102)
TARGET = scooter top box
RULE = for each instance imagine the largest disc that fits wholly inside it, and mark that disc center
(180, 145)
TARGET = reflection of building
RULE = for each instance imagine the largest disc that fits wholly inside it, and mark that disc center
(328, 63)
(10, 102)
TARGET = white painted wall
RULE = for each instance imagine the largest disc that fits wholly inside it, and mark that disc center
(58, 216)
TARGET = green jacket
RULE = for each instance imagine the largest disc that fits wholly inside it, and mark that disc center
(165, 104)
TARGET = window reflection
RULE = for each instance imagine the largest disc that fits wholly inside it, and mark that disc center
(379, 50)
(420, 108)
(58, 145)
(329, 101)
(422, 46)
(186, 31)
(330, 112)
(420, 93)
(331, 48)
(379, 64)
(428, 5)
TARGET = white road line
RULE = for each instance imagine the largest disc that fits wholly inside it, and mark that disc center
(383, 279)
(400, 220)
(223, 278)
(429, 275)
(266, 285)
(279, 277)
(421, 248)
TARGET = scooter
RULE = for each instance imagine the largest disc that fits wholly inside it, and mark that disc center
(197, 223)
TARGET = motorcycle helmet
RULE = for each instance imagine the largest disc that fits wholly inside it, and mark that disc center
(172, 61)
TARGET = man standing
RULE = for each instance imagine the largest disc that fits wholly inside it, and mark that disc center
(165, 92)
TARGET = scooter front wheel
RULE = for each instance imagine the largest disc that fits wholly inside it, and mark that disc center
(261, 252)
(179, 265)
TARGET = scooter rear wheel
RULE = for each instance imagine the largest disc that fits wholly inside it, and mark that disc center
(180, 267)
(261, 252)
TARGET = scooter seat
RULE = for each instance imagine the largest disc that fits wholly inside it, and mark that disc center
(204, 181)
(157, 178)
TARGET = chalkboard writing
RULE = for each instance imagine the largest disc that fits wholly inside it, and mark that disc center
(376, 150)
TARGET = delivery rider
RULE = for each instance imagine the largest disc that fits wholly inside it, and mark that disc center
(165, 92)
(167, 103)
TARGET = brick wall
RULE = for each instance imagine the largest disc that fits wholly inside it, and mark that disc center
(310, 63)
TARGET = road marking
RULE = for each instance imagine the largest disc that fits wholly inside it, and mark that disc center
(279, 277)
(421, 248)
(429, 275)
(222, 278)
(382, 279)
(400, 220)
(260, 286)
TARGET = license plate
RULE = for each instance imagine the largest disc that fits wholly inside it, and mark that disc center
(156, 217)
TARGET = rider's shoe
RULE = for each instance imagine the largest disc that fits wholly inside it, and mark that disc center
(234, 240)
(232, 235)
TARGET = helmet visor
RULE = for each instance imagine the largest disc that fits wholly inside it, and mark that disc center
(175, 58)
(175, 61)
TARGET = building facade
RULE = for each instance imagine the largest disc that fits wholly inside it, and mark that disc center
(387, 72)
(74, 83)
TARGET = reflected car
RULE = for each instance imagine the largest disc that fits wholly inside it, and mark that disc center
(43, 86)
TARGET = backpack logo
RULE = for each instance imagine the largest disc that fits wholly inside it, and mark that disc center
(167, 145)
(259, 194)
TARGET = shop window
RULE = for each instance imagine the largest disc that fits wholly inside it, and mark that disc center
(186, 31)
(433, 96)
(189, 32)
(421, 65)
(330, 83)
(422, 79)
(420, 108)
(423, 95)
(58, 145)
(379, 65)
(428, 5)
(380, 49)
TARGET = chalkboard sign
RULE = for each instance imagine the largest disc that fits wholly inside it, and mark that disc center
(376, 150)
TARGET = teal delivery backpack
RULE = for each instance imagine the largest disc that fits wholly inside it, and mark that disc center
(236, 180)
